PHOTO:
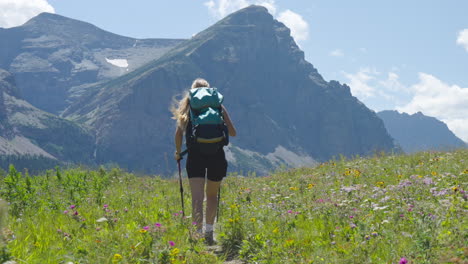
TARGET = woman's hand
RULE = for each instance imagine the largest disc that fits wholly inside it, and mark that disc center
(177, 156)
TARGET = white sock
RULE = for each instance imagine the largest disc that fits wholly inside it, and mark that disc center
(208, 228)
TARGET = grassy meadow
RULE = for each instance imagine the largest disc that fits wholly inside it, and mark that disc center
(381, 209)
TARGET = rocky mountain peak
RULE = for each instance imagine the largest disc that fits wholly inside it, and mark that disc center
(252, 15)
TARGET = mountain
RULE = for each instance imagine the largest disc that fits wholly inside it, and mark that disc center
(282, 107)
(418, 132)
(55, 59)
(32, 138)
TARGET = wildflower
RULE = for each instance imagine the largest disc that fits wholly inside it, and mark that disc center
(157, 225)
(351, 216)
(455, 188)
(403, 261)
(175, 252)
(434, 173)
(125, 210)
(143, 231)
(333, 242)
(276, 230)
(171, 243)
(374, 234)
(290, 211)
(76, 213)
(367, 237)
(146, 228)
(72, 206)
(65, 212)
(380, 184)
(253, 220)
(352, 225)
(310, 186)
(105, 205)
(293, 188)
(117, 257)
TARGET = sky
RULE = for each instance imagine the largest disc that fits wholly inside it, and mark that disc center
(400, 55)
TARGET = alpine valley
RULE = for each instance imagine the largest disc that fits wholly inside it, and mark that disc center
(108, 96)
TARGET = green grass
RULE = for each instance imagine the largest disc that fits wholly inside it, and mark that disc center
(367, 210)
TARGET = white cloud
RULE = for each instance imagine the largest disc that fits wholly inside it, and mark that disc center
(16, 12)
(463, 38)
(297, 24)
(448, 103)
(359, 83)
(337, 53)
(299, 27)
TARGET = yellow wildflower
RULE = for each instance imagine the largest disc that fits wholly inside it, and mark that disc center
(143, 231)
(117, 258)
(380, 184)
(310, 186)
(175, 251)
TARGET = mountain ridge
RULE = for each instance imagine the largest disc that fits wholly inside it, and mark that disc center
(54, 59)
(418, 132)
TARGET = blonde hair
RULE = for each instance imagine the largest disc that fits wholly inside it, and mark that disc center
(180, 109)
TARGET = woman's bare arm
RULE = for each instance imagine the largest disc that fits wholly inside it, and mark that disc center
(227, 120)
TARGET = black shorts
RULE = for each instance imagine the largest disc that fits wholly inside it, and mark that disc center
(214, 167)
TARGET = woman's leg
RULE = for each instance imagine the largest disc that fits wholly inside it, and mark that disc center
(197, 186)
(212, 189)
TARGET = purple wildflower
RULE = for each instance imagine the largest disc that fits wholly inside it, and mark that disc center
(146, 228)
(171, 243)
(157, 225)
(403, 261)
(106, 205)
(72, 206)
(65, 212)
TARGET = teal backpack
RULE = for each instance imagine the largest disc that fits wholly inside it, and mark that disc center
(206, 130)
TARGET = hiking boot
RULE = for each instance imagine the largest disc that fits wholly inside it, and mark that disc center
(209, 238)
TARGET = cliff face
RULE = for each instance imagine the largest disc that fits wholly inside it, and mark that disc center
(276, 99)
(29, 133)
(55, 59)
(419, 132)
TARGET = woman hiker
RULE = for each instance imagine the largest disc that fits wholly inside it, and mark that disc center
(203, 170)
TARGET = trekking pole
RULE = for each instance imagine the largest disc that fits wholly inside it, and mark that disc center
(180, 181)
(181, 188)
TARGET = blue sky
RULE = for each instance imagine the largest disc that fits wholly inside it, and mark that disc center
(405, 55)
